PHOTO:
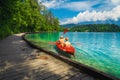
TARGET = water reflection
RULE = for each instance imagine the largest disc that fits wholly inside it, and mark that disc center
(43, 39)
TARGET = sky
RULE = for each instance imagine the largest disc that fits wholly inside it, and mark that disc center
(76, 11)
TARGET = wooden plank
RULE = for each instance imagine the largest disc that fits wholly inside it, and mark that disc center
(50, 71)
(78, 76)
(67, 76)
(56, 71)
(88, 78)
(36, 67)
(13, 65)
(21, 57)
(19, 66)
(17, 72)
(23, 69)
(22, 64)
(63, 74)
(27, 61)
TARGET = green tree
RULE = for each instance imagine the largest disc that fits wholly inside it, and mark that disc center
(25, 16)
(96, 28)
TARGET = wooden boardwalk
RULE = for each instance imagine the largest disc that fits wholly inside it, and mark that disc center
(18, 61)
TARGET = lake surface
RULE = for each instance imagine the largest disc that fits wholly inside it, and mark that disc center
(100, 50)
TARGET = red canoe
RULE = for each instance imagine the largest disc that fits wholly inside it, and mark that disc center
(67, 50)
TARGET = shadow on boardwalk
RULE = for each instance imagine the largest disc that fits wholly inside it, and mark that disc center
(18, 61)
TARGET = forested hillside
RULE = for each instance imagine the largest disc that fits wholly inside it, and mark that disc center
(96, 28)
(25, 16)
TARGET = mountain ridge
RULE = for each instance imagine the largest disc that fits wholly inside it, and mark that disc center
(95, 22)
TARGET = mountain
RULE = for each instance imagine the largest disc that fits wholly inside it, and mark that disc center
(96, 28)
(68, 25)
(92, 22)
(102, 22)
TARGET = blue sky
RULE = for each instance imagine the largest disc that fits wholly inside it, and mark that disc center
(76, 11)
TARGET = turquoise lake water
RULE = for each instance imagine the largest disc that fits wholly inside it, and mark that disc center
(99, 50)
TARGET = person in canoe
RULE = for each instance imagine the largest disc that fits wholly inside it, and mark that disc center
(68, 47)
(67, 44)
(61, 41)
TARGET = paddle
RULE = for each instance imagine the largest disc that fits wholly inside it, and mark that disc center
(52, 42)
(77, 43)
(65, 30)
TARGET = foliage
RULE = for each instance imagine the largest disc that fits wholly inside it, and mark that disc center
(96, 28)
(25, 16)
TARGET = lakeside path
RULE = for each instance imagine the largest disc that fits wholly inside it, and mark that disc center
(18, 61)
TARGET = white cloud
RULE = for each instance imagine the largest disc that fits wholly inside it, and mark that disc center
(104, 10)
(115, 2)
(75, 6)
(80, 5)
(52, 3)
(114, 14)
